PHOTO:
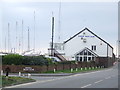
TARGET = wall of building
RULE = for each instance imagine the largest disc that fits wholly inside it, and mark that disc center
(76, 44)
(110, 51)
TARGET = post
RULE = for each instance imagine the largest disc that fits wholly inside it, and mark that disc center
(96, 67)
(1, 72)
(29, 75)
(52, 36)
(81, 68)
(71, 69)
(19, 73)
(54, 70)
(76, 69)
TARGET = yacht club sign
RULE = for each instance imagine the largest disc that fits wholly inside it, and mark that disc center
(82, 36)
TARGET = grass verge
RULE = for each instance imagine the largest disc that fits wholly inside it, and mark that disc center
(74, 70)
(9, 81)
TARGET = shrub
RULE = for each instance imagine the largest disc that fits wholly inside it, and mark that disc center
(14, 59)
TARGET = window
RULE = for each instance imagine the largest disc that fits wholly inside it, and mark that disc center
(89, 53)
(85, 55)
(77, 58)
(89, 58)
(94, 48)
(81, 59)
(85, 52)
(85, 58)
(93, 58)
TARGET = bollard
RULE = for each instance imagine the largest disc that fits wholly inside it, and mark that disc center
(19, 73)
(71, 70)
(54, 70)
(1, 72)
(89, 68)
(92, 67)
(96, 67)
(81, 68)
(76, 69)
(85, 68)
(29, 75)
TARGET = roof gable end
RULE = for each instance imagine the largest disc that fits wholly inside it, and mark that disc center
(90, 32)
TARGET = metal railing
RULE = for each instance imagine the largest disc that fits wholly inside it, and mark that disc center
(57, 54)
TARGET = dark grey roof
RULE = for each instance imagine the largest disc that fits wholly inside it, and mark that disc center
(90, 32)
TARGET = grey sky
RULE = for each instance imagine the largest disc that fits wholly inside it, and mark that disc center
(99, 17)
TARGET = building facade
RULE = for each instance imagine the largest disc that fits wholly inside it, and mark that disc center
(84, 46)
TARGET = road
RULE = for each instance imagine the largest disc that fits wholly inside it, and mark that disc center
(107, 78)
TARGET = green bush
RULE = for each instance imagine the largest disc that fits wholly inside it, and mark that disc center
(14, 59)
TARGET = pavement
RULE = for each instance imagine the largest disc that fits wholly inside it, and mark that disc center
(41, 74)
(107, 78)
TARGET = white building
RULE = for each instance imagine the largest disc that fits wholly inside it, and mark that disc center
(83, 46)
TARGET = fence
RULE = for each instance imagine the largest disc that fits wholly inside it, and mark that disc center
(100, 61)
(40, 69)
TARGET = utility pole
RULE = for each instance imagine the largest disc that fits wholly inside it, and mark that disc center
(52, 53)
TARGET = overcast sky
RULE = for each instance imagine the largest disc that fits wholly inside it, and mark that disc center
(100, 17)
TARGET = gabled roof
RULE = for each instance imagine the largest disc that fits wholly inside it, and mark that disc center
(90, 32)
(87, 50)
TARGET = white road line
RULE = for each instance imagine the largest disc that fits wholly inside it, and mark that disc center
(90, 72)
(98, 81)
(86, 85)
(107, 77)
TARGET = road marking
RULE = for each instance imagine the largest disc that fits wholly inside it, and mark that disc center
(107, 77)
(98, 81)
(90, 72)
(86, 85)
